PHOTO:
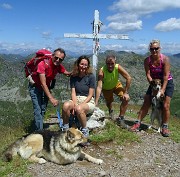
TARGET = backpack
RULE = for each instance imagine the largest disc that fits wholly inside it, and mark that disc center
(31, 66)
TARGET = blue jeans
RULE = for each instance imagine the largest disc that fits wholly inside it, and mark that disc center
(40, 101)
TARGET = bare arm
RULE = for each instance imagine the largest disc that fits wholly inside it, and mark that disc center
(99, 86)
(46, 90)
(73, 96)
(90, 95)
(67, 73)
(147, 70)
(165, 74)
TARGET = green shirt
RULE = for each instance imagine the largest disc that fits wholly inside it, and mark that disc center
(110, 80)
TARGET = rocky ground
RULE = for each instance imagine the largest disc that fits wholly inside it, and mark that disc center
(153, 156)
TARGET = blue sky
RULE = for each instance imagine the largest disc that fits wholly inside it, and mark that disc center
(34, 24)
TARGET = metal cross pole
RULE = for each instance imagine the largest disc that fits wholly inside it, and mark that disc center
(96, 36)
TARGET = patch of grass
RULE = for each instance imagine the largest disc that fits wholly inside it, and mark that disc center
(112, 132)
(18, 167)
(174, 126)
(9, 135)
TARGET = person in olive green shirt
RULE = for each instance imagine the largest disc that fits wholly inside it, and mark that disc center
(109, 84)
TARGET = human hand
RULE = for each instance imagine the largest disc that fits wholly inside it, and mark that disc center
(54, 102)
(162, 93)
(126, 96)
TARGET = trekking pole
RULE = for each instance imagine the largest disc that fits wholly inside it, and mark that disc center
(59, 116)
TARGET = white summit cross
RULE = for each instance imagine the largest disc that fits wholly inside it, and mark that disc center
(96, 36)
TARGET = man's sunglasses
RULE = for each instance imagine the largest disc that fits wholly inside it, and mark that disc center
(155, 48)
(57, 58)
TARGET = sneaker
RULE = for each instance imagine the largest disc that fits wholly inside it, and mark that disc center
(135, 127)
(111, 114)
(85, 132)
(65, 127)
(165, 132)
(121, 123)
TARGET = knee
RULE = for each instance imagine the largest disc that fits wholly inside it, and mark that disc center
(166, 106)
(66, 106)
(80, 112)
(79, 109)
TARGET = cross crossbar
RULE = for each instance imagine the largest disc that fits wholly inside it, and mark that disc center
(96, 36)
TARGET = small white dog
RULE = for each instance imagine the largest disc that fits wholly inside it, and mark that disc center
(157, 103)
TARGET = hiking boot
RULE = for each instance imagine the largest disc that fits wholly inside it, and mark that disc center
(111, 114)
(165, 132)
(120, 122)
(85, 132)
(135, 127)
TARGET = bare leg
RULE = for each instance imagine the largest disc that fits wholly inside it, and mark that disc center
(109, 105)
(123, 107)
(66, 110)
(166, 110)
(142, 113)
(81, 111)
(145, 107)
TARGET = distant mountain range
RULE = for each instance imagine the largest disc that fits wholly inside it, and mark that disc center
(23, 55)
(177, 55)
(26, 52)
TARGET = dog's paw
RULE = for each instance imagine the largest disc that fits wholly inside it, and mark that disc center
(41, 160)
(99, 161)
(159, 130)
(150, 127)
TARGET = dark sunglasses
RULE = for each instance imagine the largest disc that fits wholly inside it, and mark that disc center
(57, 58)
(155, 48)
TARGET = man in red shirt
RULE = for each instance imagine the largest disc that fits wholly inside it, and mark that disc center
(40, 90)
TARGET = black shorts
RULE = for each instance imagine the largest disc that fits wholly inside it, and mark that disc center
(169, 89)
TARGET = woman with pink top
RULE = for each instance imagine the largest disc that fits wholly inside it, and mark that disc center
(157, 66)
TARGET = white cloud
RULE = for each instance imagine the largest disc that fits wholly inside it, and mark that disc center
(6, 6)
(144, 6)
(129, 12)
(126, 26)
(116, 47)
(168, 25)
(126, 17)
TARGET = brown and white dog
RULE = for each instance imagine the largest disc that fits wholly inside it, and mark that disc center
(157, 103)
(58, 147)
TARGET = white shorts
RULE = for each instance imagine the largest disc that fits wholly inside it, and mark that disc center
(91, 103)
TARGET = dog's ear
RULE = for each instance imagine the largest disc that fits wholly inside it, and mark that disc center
(70, 135)
(159, 81)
